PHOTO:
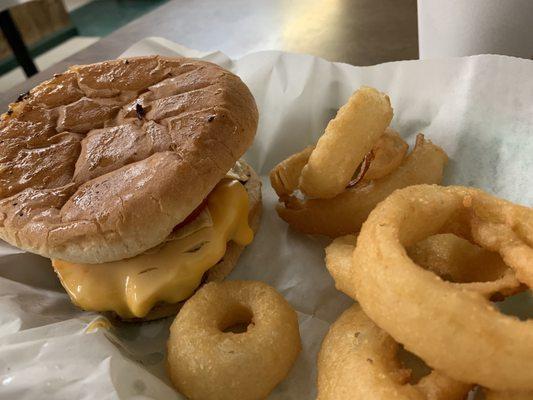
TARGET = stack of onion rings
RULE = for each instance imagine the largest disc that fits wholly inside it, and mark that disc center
(357, 163)
(450, 325)
(345, 213)
(206, 361)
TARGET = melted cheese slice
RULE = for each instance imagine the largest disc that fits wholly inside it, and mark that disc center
(170, 272)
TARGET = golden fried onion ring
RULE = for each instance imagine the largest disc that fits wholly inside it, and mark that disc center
(205, 361)
(449, 256)
(357, 360)
(345, 213)
(467, 338)
(347, 139)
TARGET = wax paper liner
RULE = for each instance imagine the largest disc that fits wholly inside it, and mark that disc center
(479, 109)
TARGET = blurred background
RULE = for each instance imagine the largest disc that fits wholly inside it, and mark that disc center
(360, 32)
(52, 30)
(43, 37)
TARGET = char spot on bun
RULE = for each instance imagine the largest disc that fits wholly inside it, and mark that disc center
(101, 162)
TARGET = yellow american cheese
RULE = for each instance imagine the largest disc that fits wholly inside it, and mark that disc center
(169, 273)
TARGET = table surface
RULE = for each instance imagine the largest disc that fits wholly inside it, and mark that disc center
(359, 32)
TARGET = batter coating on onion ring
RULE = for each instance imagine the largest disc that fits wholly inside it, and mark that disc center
(389, 152)
(468, 339)
(206, 361)
(463, 263)
(491, 395)
(357, 360)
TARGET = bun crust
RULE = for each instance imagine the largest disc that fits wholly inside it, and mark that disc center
(224, 267)
(101, 162)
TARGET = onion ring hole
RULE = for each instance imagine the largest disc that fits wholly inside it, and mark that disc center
(237, 319)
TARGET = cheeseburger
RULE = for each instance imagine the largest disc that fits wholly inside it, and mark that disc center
(126, 174)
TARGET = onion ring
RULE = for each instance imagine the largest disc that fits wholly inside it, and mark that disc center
(345, 213)
(205, 361)
(357, 360)
(459, 261)
(345, 142)
(468, 339)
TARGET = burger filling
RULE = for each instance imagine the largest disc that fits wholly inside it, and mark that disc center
(169, 272)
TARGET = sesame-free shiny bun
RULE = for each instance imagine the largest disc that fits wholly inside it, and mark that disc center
(101, 162)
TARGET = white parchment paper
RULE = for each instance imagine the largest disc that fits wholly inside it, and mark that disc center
(479, 109)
